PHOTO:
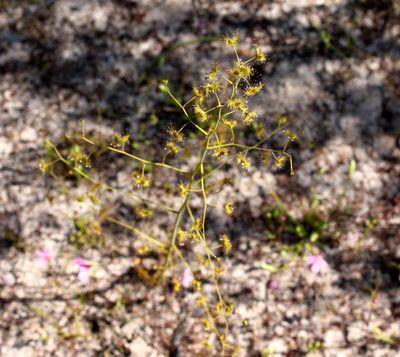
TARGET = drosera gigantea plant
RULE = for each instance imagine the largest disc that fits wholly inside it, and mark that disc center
(218, 110)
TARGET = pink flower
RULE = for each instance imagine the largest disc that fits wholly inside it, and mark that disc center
(273, 284)
(44, 256)
(317, 263)
(83, 269)
(187, 278)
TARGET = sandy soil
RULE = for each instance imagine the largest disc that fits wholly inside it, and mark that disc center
(333, 65)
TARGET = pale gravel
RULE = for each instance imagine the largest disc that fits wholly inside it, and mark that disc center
(343, 106)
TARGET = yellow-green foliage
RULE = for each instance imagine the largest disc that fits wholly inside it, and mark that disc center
(87, 232)
(218, 110)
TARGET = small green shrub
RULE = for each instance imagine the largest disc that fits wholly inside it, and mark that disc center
(227, 131)
(88, 232)
(296, 233)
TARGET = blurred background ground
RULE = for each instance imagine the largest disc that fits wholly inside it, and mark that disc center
(333, 65)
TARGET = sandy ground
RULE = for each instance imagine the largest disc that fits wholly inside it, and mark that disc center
(333, 65)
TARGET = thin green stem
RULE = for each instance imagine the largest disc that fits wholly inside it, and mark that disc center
(178, 103)
(137, 158)
(137, 231)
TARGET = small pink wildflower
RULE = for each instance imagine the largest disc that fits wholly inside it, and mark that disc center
(83, 269)
(273, 284)
(44, 256)
(187, 278)
(317, 263)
